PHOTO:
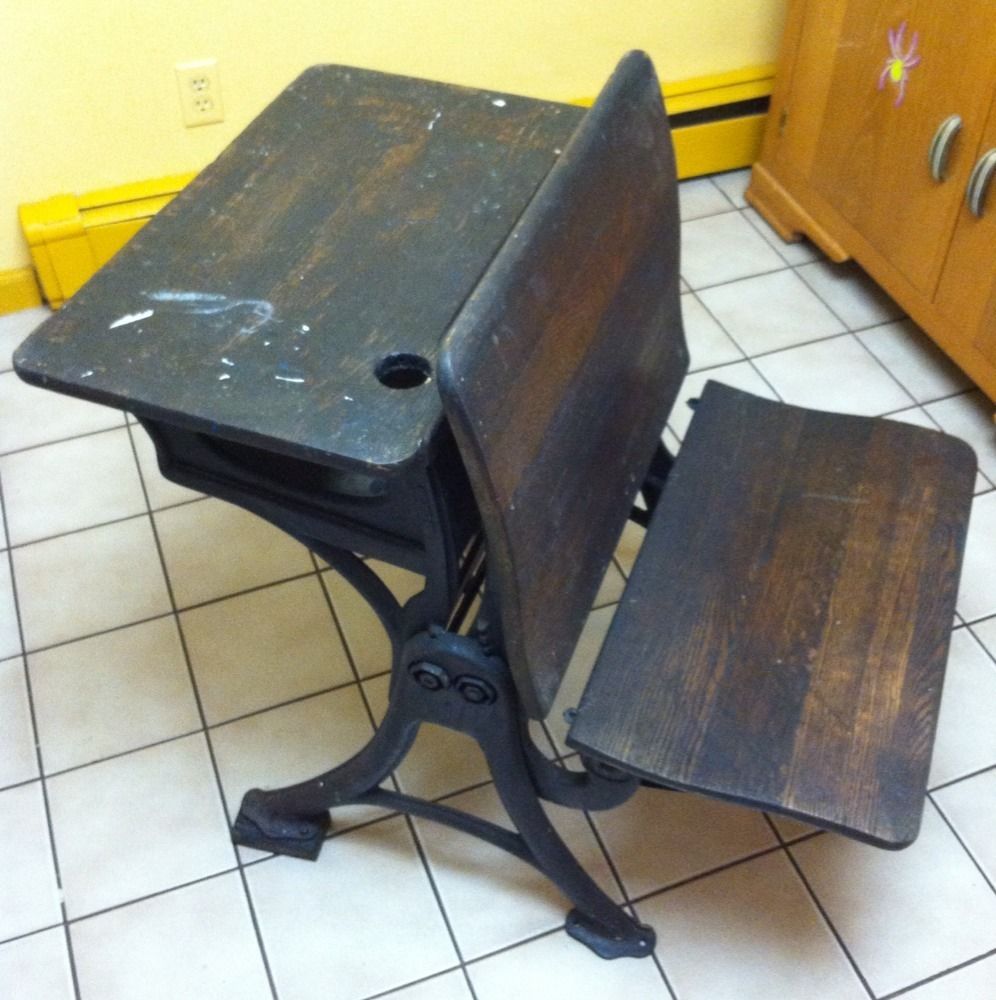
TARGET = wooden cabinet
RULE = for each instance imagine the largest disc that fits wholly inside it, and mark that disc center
(967, 292)
(882, 114)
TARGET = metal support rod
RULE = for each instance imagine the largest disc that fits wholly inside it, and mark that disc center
(653, 484)
(508, 841)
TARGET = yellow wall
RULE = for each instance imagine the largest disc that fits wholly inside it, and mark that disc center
(89, 97)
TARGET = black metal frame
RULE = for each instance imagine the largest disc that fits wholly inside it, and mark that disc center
(439, 676)
(450, 680)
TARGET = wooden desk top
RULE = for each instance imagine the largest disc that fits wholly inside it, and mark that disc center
(345, 226)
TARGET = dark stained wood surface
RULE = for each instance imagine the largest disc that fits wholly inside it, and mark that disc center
(783, 637)
(559, 373)
(348, 223)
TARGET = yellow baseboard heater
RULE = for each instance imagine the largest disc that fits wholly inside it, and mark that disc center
(71, 236)
(717, 125)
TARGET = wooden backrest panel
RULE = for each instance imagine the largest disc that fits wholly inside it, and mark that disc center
(559, 372)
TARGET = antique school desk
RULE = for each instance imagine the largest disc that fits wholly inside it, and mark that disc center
(279, 332)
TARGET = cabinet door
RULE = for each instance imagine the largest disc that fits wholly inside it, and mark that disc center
(967, 292)
(899, 69)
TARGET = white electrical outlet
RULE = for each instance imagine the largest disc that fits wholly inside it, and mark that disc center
(200, 92)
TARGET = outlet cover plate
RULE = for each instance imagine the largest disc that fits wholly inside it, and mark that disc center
(200, 92)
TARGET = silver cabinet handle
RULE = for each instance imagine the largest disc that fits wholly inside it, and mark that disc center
(978, 183)
(940, 146)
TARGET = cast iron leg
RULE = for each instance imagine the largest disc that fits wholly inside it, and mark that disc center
(295, 819)
(449, 680)
(597, 921)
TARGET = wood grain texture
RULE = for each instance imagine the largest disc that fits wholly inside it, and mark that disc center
(870, 160)
(844, 165)
(560, 371)
(349, 222)
(782, 639)
(967, 292)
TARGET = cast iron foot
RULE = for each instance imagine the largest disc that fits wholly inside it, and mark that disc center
(635, 941)
(257, 825)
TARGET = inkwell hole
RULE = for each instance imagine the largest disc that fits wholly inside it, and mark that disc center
(403, 371)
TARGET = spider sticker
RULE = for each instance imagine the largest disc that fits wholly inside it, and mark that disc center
(899, 63)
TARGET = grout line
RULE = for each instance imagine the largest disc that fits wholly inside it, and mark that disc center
(208, 727)
(749, 358)
(319, 572)
(61, 440)
(803, 837)
(888, 371)
(757, 371)
(559, 757)
(699, 876)
(959, 780)
(121, 753)
(729, 281)
(124, 904)
(613, 868)
(77, 531)
(774, 829)
(21, 784)
(982, 619)
(43, 786)
(512, 945)
(832, 264)
(93, 635)
(829, 923)
(197, 605)
(780, 247)
(110, 429)
(423, 857)
(530, 939)
(736, 343)
(862, 329)
(722, 191)
(940, 975)
(101, 524)
(658, 961)
(165, 614)
(922, 404)
(33, 933)
(337, 831)
(393, 990)
(211, 726)
(683, 220)
(919, 406)
(839, 335)
(200, 711)
(965, 847)
(194, 732)
(991, 653)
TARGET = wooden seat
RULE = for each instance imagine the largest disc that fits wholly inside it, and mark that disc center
(782, 640)
(783, 637)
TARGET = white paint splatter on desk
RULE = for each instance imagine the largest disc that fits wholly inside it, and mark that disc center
(131, 318)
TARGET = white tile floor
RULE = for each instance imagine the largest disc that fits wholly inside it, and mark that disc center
(161, 652)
